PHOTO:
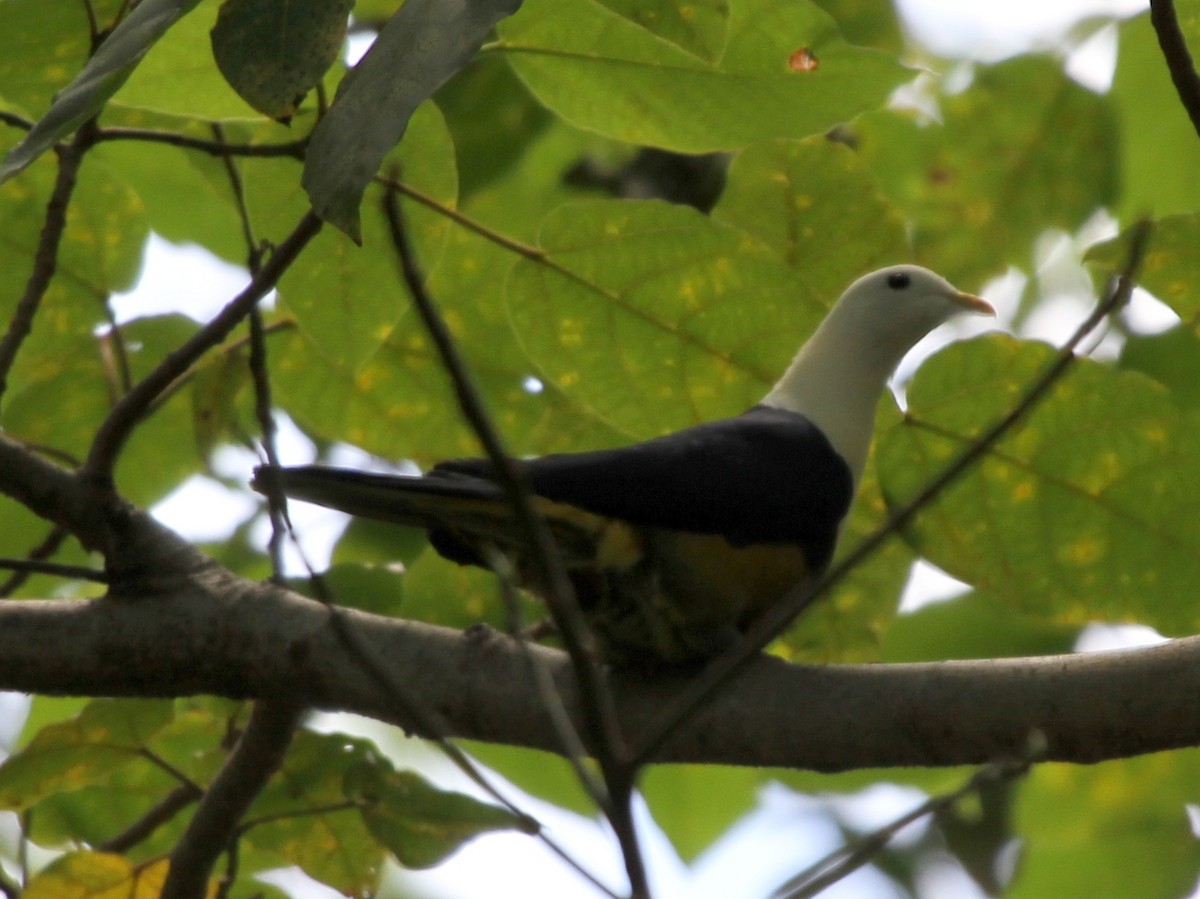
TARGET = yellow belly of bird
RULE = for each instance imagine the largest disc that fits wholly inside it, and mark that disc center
(654, 595)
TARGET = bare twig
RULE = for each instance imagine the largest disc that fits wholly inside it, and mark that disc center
(254, 760)
(599, 709)
(14, 120)
(40, 553)
(572, 747)
(119, 424)
(1178, 58)
(294, 149)
(45, 258)
(777, 618)
(170, 806)
(33, 566)
(847, 859)
(258, 361)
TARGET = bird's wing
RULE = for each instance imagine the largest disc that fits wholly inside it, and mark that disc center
(768, 475)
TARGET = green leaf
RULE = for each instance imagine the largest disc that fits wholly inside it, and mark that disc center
(817, 205)
(604, 73)
(349, 300)
(546, 775)
(419, 48)
(695, 804)
(988, 174)
(274, 53)
(214, 388)
(484, 99)
(866, 22)
(97, 875)
(67, 755)
(378, 543)
(1171, 358)
(1171, 266)
(1159, 153)
(848, 624)
(54, 45)
(178, 76)
(974, 626)
(418, 823)
(307, 819)
(697, 26)
(654, 317)
(1091, 499)
(99, 79)
(1109, 830)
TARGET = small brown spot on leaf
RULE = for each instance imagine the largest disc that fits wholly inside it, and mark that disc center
(803, 60)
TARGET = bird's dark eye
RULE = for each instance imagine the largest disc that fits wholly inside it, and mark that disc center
(898, 280)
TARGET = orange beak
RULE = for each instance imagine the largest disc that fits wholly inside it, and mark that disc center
(972, 303)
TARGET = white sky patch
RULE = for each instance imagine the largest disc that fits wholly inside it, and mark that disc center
(203, 510)
(1103, 637)
(992, 31)
(928, 584)
(180, 278)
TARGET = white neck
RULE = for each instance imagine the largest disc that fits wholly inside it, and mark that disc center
(835, 381)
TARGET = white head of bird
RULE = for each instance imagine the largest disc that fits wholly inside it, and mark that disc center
(838, 375)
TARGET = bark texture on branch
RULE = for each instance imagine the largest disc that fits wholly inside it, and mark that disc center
(205, 631)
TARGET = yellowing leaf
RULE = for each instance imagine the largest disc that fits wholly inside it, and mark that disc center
(1085, 512)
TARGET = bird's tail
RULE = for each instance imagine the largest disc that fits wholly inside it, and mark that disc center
(460, 510)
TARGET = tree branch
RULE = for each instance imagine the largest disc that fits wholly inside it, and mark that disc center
(1179, 59)
(214, 633)
(257, 756)
(45, 258)
(117, 427)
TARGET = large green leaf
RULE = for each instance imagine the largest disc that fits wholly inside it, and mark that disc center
(698, 26)
(308, 819)
(99, 79)
(274, 53)
(419, 48)
(655, 317)
(106, 735)
(178, 75)
(97, 875)
(982, 184)
(602, 72)
(817, 205)
(1085, 512)
(420, 824)
(348, 300)
(1111, 830)
(1159, 152)
(1170, 268)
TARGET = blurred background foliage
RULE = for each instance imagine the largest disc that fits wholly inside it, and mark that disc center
(632, 214)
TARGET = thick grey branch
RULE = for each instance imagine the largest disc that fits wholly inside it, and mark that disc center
(213, 633)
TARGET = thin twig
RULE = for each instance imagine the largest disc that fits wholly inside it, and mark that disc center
(599, 709)
(116, 428)
(257, 756)
(170, 806)
(45, 257)
(845, 860)
(295, 149)
(16, 121)
(780, 616)
(551, 700)
(521, 249)
(1179, 59)
(258, 361)
(33, 566)
(40, 553)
